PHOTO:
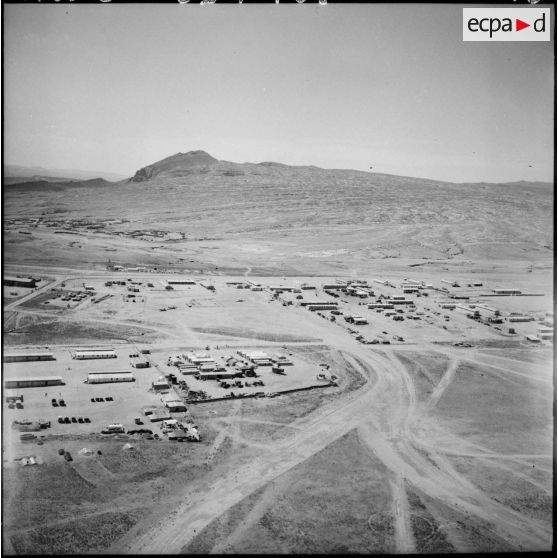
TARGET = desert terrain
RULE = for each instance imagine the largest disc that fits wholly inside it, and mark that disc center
(426, 427)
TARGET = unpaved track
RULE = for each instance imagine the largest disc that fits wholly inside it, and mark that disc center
(384, 412)
(442, 385)
(171, 534)
(404, 539)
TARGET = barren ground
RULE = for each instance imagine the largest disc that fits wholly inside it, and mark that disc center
(422, 447)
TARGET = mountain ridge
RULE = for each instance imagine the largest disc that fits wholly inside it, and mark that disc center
(201, 162)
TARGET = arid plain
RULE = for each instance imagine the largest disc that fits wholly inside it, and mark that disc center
(439, 441)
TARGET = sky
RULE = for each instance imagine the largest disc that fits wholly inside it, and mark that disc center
(113, 88)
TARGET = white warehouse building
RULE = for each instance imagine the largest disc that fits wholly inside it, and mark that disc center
(85, 354)
(109, 377)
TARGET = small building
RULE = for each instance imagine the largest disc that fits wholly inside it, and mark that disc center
(159, 414)
(321, 306)
(246, 369)
(282, 360)
(160, 385)
(27, 356)
(188, 369)
(400, 300)
(380, 305)
(208, 367)
(176, 406)
(545, 333)
(108, 377)
(506, 291)
(520, 318)
(170, 397)
(180, 281)
(318, 302)
(140, 363)
(27, 282)
(196, 358)
(87, 354)
(362, 293)
(14, 383)
(410, 289)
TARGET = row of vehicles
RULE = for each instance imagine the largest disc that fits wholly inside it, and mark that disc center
(68, 420)
(239, 384)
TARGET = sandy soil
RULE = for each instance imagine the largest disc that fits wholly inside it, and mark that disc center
(441, 448)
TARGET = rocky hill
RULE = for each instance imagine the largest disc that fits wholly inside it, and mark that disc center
(180, 164)
(299, 215)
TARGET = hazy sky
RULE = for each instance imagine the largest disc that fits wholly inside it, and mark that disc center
(116, 87)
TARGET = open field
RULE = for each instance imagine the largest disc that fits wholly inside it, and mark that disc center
(336, 501)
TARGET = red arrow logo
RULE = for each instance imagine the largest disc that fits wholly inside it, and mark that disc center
(519, 25)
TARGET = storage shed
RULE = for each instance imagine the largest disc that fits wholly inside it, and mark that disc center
(33, 382)
(28, 282)
(27, 356)
(109, 377)
(140, 363)
(160, 385)
(86, 354)
(176, 406)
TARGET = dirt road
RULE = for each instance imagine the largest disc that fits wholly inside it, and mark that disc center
(388, 435)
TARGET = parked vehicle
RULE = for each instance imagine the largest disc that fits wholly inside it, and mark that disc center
(80, 420)
(62, 403)
(115, 428)
(74, 419)
(67, 420)
(86, 419)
